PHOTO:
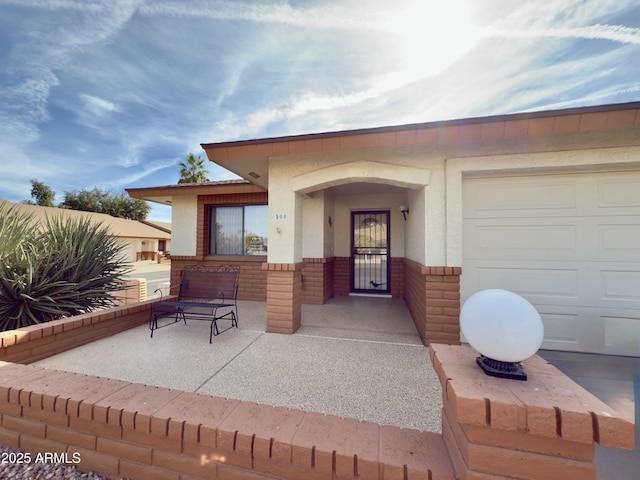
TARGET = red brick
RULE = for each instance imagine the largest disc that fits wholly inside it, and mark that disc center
(263, 431)
(525, 441)
(40, 445)
(324, 434)
(126, 450)
(9, 438)
(423, 453)
(180, 463)
(71, 437)
(145, 472)
(150, 440)
(24, 425)
(91, 461)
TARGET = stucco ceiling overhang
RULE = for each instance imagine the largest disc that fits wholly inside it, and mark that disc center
(601, 126)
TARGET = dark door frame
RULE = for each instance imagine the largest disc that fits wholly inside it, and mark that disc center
(384, 284)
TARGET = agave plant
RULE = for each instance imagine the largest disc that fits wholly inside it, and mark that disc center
(61, 268)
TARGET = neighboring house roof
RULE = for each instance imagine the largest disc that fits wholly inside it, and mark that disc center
(119, 227)
(164, 226)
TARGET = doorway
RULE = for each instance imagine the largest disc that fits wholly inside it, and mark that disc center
(370, 238)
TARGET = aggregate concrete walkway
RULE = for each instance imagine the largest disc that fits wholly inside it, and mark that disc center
(355, 357)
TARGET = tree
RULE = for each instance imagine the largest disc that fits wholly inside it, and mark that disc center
(101, 201)
(43, 194)
(192, 170)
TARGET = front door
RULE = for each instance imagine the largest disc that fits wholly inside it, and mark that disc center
(370, 252)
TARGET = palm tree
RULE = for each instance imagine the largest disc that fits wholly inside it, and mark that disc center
(192, 170)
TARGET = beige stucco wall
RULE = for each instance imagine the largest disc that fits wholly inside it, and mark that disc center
(298, 190)
(184, 217)
(431, 179)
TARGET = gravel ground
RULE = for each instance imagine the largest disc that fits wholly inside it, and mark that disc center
(16, 465)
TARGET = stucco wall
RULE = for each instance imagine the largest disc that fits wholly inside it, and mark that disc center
(184, 219)
(298, 184)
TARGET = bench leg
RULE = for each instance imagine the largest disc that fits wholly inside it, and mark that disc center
(211, 334)
(153, 322)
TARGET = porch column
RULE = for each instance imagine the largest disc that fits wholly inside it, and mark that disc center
(284, 267)
(284, 297)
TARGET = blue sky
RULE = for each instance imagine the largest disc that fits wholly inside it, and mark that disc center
(115, 93)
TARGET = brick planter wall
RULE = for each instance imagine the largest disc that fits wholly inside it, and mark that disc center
(544, 428)
(29, 344)
(493, 429)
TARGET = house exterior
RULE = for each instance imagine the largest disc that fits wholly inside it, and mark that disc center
(546, 204)
(143, 241)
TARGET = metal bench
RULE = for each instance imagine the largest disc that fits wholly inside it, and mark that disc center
(206, 293)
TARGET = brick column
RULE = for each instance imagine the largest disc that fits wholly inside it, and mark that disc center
(433, 297)
(541, 429)
(284, 296)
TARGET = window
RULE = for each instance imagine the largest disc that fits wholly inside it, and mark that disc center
(238, 230)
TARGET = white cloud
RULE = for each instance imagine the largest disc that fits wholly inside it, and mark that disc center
(98, 106)
(614, 33)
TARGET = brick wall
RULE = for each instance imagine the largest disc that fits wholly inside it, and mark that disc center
(416, 296)
(433, 298)
(252, 279)
(397, 278)
(544, 428)
(341, 276)
(123, 429)
(317, 280)
(29, 344)
(493, 429)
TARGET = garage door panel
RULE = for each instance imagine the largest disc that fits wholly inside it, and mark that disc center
(619, 192)
(535, 283)
(499, 197)
(622, 334)
(621, 285)
(561, 238)
(560, 327)
(570, 244)
(584, 322)
(619, 238)
(611, 238)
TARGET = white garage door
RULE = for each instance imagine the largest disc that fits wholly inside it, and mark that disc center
(570, 244)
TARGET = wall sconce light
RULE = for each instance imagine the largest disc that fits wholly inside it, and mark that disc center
(405, 211)
(504, 328)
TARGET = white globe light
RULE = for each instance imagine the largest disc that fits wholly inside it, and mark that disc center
(501, 325)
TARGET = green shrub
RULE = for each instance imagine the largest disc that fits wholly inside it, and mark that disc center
(60, 268)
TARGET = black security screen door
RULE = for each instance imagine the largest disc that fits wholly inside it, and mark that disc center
(370, 252)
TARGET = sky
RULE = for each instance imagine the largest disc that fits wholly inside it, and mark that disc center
(114, 93)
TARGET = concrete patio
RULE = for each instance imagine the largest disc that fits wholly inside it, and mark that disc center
(354, 357)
